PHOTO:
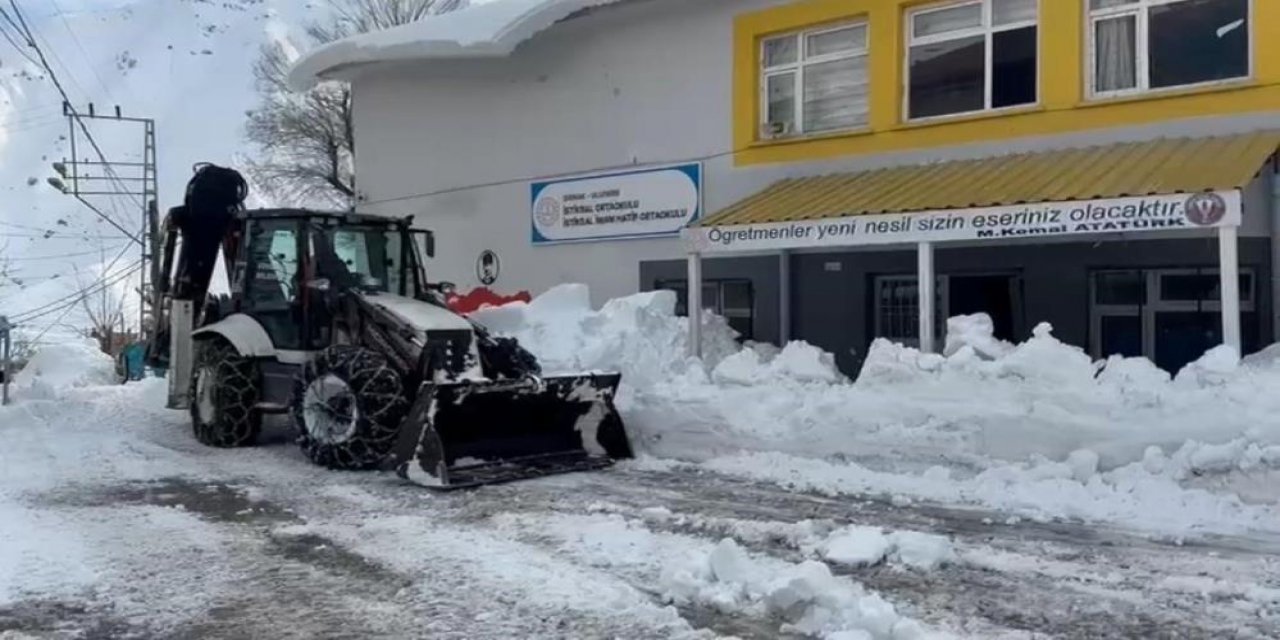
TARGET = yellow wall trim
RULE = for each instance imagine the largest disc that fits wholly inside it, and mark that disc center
(1062, 108)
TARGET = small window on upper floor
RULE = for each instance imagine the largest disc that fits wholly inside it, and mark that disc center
(814, 81)
(1146, 45)
(966, 57)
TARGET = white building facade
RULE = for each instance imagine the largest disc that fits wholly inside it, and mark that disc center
(551, 141)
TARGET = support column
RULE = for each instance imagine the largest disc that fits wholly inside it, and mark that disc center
(784, 297)
(1229, 270)
(694, 305)
(926, 280)
(181, 354)
(1275, 258)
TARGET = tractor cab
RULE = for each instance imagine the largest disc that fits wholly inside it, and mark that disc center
(289, 265)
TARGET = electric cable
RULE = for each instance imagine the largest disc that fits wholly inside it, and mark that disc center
(25, 30)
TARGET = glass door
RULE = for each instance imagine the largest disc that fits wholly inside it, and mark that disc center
(1171, 316)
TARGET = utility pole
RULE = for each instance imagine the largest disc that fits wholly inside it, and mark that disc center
(5, 352)
(106, 178)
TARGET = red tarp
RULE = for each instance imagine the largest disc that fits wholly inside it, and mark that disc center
(483, 296)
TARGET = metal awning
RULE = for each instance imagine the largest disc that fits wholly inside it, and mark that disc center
(1156, 167)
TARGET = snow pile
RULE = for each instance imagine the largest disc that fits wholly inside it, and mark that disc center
(639, 335)
(799, 362)
(485, 28)
(1037, 428)
(851, 545)
(976, 332)
(1041, 397)
(807, 596)
(863, 546)
(55, 368)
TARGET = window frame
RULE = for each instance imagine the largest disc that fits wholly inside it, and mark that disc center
(988, 31)
(941, 307)
(1154, 303)
(680, 286)
(801, 36)
(1141, 12)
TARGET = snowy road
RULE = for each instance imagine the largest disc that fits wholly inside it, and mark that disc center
(116, 525)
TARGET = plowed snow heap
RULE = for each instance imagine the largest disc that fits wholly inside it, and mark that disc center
(332, 320)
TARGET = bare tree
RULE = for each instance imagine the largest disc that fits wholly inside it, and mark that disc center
(308, 140)
(104, 308)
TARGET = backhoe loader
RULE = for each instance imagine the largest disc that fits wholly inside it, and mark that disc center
(331, 320)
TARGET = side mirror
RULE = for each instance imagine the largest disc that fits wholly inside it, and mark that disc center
(430, 241)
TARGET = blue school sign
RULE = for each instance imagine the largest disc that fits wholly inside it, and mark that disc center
(645, 203)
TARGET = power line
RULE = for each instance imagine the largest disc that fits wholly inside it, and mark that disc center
(105, 274)
(22, 52)
(79, 45)
(62, 236)
(71, 305)
(21, 25)
(62, 256)
(28, 227)
(101, 283)
(507, 181)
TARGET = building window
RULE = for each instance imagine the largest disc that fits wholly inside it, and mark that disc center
(1170, 316)
(971, 56)
(897, 309)
(897, 304)
(1144, 45)
(814, 81)
(731, 299)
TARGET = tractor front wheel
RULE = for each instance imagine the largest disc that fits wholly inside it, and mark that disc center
(347, 405)
(224, 391)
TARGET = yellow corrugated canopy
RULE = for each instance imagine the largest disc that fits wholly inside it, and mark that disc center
(1155, 167)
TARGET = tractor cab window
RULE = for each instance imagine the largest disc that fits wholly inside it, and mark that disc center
(364, 257)
(271, 292)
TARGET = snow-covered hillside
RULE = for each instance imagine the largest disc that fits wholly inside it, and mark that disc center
(186, 63)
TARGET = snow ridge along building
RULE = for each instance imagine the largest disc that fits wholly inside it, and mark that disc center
(840, 170)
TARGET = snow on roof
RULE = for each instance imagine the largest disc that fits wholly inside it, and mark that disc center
(485, 29)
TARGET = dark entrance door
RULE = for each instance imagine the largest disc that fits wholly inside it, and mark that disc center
(994, 295)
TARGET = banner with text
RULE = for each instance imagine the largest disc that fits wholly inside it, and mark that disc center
(658, 201)
(1112, 215)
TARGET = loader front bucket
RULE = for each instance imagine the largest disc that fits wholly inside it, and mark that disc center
(467, 434)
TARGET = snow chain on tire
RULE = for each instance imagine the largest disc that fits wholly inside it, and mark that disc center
(235, 392)
(380, 405)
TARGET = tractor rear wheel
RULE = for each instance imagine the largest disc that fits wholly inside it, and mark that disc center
(347, 405)
(224, 391)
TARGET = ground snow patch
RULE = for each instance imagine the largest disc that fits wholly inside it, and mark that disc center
(857, 545)
(1041, 490)
(806, 595)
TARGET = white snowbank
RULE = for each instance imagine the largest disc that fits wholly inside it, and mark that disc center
(639, 335)
(57, 368)
(1036, 427)
(1040, 490)
(798, 361)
